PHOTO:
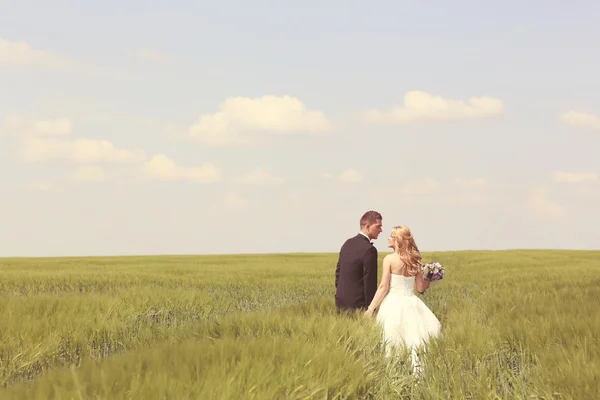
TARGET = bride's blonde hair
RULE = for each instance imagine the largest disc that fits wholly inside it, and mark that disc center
(405, 246)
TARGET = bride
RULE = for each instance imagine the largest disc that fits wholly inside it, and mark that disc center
(405, 320)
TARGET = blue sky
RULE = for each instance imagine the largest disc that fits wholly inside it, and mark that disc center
(238, 127)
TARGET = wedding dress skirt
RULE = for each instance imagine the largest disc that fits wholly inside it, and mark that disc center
(405, 320)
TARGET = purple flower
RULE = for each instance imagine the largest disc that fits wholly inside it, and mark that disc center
(433, 271)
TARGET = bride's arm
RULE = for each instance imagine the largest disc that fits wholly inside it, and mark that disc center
(421, 283)
(383, 288)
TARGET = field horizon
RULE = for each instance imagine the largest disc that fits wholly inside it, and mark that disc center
(292, 253)
(516, 324)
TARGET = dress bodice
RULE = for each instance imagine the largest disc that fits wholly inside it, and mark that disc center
(402, 285)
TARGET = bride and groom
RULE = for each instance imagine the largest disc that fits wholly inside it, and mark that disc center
(404, 319)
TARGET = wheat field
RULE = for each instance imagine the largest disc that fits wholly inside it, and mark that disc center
(516, 325)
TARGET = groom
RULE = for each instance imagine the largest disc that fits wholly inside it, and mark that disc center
(356, 270)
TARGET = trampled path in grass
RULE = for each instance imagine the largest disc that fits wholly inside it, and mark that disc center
(516, 324)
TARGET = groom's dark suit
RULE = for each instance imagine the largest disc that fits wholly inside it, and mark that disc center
(356, 274)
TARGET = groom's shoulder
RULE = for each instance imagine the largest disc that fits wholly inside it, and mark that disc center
(349, 241)
(356, 241)
(352, 239)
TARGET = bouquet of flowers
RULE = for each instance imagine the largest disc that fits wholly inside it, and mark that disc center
(433, 271)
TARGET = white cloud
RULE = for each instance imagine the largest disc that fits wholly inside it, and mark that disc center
(89, 174)
(20, 126)
(82, 151)
(259, 176)
(240, 118)
(234, 202)
(351, 176)
(56, 127)
(580, 119)
(543, 207)
(425, 186)
(471, 199)
(45, 187)
(151, 55)
(471, 182)
(21, 54)
(444, 192)
(161, 167)
(48, 140)
(573, 177)
(475, 191)
(421, 106)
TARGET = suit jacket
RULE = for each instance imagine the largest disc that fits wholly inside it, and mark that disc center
(356, 274)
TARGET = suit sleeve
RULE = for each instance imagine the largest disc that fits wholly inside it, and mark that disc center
(370, 273)
(337, 273)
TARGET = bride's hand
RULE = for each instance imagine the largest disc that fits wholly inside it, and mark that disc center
(368, 314)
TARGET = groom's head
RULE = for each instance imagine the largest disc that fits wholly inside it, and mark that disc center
(370, 224)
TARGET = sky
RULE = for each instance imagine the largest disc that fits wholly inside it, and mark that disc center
(182, 127)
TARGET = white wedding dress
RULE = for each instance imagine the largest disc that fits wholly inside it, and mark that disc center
(405, 320)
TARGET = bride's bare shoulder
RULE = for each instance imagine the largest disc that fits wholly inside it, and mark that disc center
(391, 257)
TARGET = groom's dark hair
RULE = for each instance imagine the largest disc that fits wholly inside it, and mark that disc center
(370, 217)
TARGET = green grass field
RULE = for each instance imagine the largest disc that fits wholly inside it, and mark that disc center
(516, 325)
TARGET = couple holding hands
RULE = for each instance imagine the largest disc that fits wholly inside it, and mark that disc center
(403, 317)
